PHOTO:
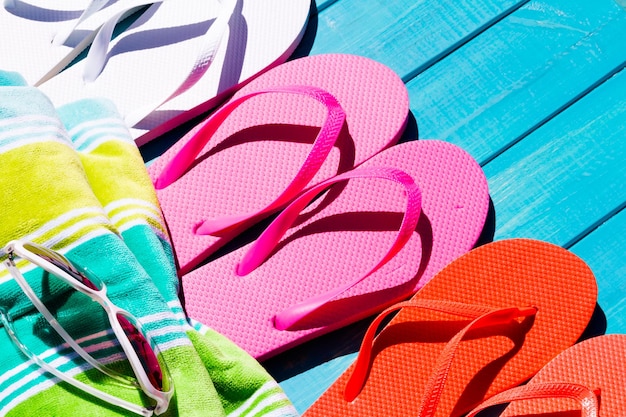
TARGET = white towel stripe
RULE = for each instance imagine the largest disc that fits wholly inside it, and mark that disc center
(119, 218)
(67, 217)
(29, 141)
(94, 124)
(27, 120)
(130, 202)
(88, 142)
(268, 386)
(62, 360)
(19, 131)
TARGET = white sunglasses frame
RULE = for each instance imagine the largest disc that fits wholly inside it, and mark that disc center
(162, 398)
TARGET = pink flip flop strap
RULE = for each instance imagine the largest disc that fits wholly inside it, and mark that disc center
(482, 317)
(268, 240)
(320, 149)
(586, 397)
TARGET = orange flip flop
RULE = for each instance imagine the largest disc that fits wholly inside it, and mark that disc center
(486, 323)
(588, 379)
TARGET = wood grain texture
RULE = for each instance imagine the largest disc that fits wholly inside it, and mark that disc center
(567, 176)
(406, 35)
(517, 75)
(603, 249)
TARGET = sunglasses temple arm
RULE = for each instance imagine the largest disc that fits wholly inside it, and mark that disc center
(26, 288)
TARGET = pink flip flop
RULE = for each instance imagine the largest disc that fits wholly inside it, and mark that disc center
(299, 123)
(363, 245)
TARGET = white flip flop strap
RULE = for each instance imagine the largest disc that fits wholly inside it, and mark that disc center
(93, 7)
(211, 40)
(210, 44)
(96, 57)
(59, 39)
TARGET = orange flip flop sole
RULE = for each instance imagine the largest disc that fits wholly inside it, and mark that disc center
(598, 363)
(509, 273)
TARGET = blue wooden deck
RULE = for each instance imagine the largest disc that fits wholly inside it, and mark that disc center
(536, 92)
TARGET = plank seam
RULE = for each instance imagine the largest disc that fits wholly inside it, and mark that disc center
(594, 226)
(555, 113)
(471, 36)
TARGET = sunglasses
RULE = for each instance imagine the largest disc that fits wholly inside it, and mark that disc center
(152, 376)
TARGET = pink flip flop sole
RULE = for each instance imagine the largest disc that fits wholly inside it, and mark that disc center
(261, 145)
(343, 234)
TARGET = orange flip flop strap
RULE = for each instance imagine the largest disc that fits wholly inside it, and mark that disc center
(586, 397)
(482, 316)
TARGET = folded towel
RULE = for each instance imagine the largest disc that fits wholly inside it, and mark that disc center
(97, 207)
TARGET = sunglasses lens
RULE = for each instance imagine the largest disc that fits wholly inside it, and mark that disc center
(146, 353)
(63, 263)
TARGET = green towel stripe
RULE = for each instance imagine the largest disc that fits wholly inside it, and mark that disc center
(28, 376)
(121, 162)
(93, 343)
(42, 397)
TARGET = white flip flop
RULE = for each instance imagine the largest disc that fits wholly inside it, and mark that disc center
(41, 37)
(181, 58)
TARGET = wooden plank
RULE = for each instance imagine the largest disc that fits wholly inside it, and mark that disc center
(603, 250)
(406, 35)
(304, 389)
(565, 178)
(515, 76)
